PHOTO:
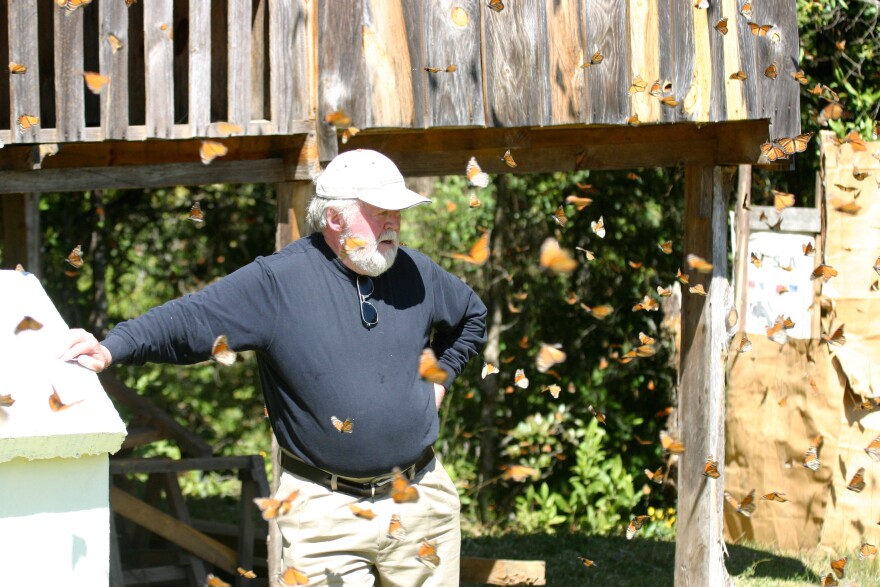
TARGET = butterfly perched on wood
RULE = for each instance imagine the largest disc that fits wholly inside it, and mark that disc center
(774, 496)
(721, 26)
(115, 43)
(710, 469)
(549, 355)
(293, 577)
(57, 405)
(554, 258)
(447, 69)
(271, 508)
(771, 71)
(210, 150)
(738, 75)
(17, 68)
(26, 121)
(401, 490)
(857, 483)
(396, 531)
(222, 352)
(596, 59)
(746, 507)
(633, 120)
(638, 85)
(430, 369)
(811, 457)
(745, 345)
(475, 175)
(346, 427)
(496, 5)
(479, 253)
(28, 323)
(95, 81)
(72, 5)
(196, 216)
(759, 30)
(635, 525)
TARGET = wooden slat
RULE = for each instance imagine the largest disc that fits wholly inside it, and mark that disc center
(643, 32)
(502, 572)
(734, 90)
(69, 86)
(259, 67)
(565, 47)
(667, 54)
(607, 83)
(414, 23)
(127, 466)
(697, 101)
(173, 530)
(24, 90)
(288, 74)
(4, 58)
(746, 42)
(114, 64)
(238, 54)
(177, 507)
(715, 40)
(199, 66)
(516, 65)
(682, 21)
(454, 38)
(388, 67)
(159, 64)
(699, 546)
(780, 98)
(803, 220)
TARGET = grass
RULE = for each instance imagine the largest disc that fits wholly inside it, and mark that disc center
(646, 562)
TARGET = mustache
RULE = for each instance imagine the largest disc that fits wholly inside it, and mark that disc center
(390, 235)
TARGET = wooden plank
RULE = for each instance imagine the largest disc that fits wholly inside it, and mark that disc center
(293, 198)
(69, 85)
(17, 219)
(643, 35)
(259, 66)
(159, 64)
(116, 575)
(565, 80)
(238, 55)
(452, 34)
(780, 98)
(667, 54)
(746, 42)
(114, 64)
(156, 465)
(177, 507)
(517, 84)
(4, 58)
(697, 101)
(741, 257)
(199, 67)
(683, 47)
(414, 24)
(607, 83)
(699, 546)
(715, 42)
(24, 90)
(804, 220)
(173, 530)
(502, 572)
(140, 436)
(288, 74)
(389, 73)
(154, 575)
(734, 91)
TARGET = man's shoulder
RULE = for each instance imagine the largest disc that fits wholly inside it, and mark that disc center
(297, 251)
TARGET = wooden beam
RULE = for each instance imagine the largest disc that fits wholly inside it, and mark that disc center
(699, 550)
(806, 220)
(173, 530)
(21, 231)
(125, 466)
(485, 571)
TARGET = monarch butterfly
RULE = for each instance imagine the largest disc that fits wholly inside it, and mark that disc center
(596, 59)
(826, 272)
(479, 253)
(746, 10)
(836, 338)
(549, 355)
(28, 323)
(293, 577)
(579, 202)
(660, 87)
(701, 4)
(195, 215)
(221, 351)
(346, 427)
(757, 261)
(808, 249)
(663, 292)
(474, 201)
(633, 120)
(95, 81)
(26, 121)
(774, 496)
(859, 175)
(360, 512)
(598, 227)
(857, 483)
(829, 581)
(554, 258)
(745, 345)
(520, 473)
(746, 507)
(782, 200)
(6, 400)
(227, 128)
(867, 551)
(638, 85)
(666, 247)
(17, 68)
(246, 574)
(669, 101)
(796, 144)
(496, 5)
(272, 508)
(647, 304)
(811, 459)
(655, 476)
(553, 389)
(447, 69)
(586, 562)
(348, 133)
(115, 43)
(598, 312)
(475, 175)
(214, 581)
(338, 118)
(800, 77)
(771, 71)
(428, 554)
(772, 152)
(873, 449)
(598, 415)
(587, 253)
(831, 111)
(699, 290)
(739, 75)
(508, 159)
(429, 369)
(71, 5)
(635, 525)
(559, 216)
(396, 531)
(846, 207)
(721, 26)
(699, 263)
(488, 369)
(855, 141)
(401, 490)
(210, 150)
(520, 380)
(760, 30)
(57, 405)
(670, 444)
(710, 469)
(75, 257)
(645, 339)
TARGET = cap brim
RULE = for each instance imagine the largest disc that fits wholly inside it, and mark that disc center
(393, 199)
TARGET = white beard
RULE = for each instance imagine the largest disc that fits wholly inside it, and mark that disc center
(368, 259)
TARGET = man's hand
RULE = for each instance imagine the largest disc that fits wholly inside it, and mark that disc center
(87, 351)
(439, 394)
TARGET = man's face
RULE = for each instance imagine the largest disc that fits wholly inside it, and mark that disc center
(380, 229)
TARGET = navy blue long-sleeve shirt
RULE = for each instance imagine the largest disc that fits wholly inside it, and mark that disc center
(299, 309)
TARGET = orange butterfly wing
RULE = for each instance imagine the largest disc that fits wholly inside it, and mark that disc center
(428, 553)
(210, 150)
(401, 490)
(221, 351)
(95, 81)
(293, 577)
(28, 323)
(430, 369)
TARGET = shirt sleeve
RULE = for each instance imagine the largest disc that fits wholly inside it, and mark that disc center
(183, 331)
(459, 323)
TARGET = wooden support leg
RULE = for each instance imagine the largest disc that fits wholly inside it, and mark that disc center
(176, 504)
(21, 232)
(699, 547)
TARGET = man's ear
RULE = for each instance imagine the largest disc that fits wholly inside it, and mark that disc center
(335, 220)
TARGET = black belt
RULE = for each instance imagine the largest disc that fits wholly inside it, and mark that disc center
(345, 485)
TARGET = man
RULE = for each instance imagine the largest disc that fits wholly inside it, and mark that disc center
(339, 321)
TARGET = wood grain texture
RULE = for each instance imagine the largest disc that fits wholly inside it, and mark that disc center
(4, 58)
(565, 46)
(69, 85)
(24, 90)
(288, 67)
(238, 52)
(159, 64)
(259, 66)
(199, 109)
(414, 24)
(697, 102)
(734, 91)
(389, 71)
(607, 83)
(684, 50)
(515, 42)
(746, 43)
(453, 38)
(779, 98)
(114, 64)
(643, 34)
(667, 53)
(715, 41)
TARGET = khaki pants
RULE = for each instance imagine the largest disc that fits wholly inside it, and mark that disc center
(324, 539)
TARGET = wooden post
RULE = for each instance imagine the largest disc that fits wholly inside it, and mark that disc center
(21, 232)
(699, 548)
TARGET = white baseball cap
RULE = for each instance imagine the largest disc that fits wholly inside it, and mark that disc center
(369, 176)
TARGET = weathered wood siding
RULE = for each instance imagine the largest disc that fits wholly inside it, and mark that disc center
(184, 65)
